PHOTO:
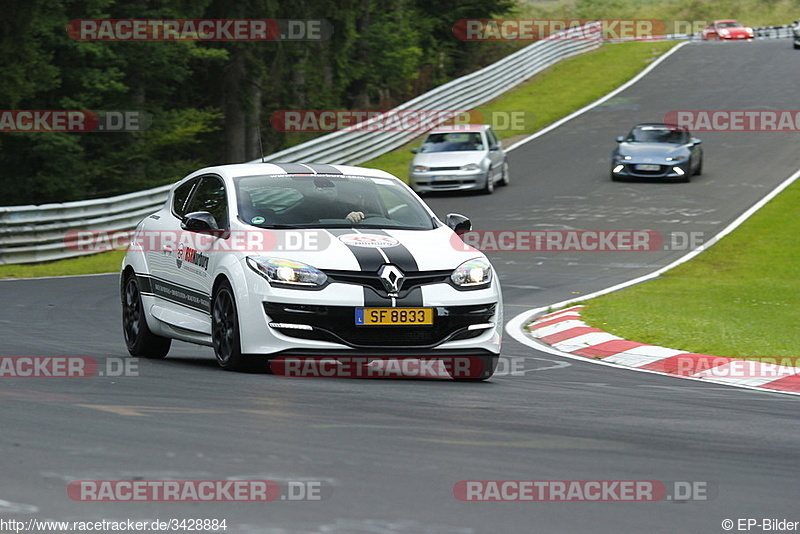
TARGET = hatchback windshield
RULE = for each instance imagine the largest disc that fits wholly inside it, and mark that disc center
(325, 201)
(452, 142)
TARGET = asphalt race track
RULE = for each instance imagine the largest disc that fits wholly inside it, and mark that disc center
(392, 450)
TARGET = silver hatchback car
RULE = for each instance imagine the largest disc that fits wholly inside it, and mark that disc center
(459, 158)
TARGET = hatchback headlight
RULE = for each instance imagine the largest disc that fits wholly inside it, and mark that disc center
(472, 274)
(471, 167)
(291, 273)
(419, 168)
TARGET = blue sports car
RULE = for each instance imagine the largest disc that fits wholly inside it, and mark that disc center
(657, 151)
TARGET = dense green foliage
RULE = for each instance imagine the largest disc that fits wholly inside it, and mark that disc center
(208, 100)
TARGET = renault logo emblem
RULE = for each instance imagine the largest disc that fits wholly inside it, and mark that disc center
(391, 277)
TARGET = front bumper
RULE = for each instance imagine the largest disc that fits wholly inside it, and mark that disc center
(276, 321)
(447, 180)
(665, 171)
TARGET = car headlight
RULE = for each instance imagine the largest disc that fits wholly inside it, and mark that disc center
(724, 32)
(286, 272)
(471, 167)
(472, 274)
(675, 158)
(621, 157)
(419, 168)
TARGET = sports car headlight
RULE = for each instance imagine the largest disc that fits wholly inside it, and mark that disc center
(724, 32)
(675, 158)
(419, 168)
(291, 273)
(621, 157)
(471, 167)
(472, 274)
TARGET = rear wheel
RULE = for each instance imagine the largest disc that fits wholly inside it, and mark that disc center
(140, 341)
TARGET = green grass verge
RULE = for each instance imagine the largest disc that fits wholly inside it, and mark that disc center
(104, 262)
(736, 299)
(550, 95)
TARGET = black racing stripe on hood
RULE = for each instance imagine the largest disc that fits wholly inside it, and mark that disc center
(369, 259)
(398, 255)
(295, 168)
(324, 168)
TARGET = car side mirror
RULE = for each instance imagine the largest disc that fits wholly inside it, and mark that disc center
(697, 141)
(414, 150)
(201, 222)
(620, 139)
(458, 223)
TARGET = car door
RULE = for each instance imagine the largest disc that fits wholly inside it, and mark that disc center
(189, 276)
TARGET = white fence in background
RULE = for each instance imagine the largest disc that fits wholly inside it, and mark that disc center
(30, 234)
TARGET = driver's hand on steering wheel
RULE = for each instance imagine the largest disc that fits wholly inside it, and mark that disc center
(355, 216)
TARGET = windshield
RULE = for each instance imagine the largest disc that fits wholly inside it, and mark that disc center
(730, 25)
(657, 134)
(452, 142)
(328, 201)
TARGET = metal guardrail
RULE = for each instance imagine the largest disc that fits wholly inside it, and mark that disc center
(30, 234)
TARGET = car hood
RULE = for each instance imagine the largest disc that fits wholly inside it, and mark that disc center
(652, 150)
(367, 249)
(450, 159)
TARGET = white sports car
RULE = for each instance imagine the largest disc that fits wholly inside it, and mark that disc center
(262, 260)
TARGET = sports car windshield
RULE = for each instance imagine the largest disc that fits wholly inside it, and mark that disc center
(452, 142)
(730, 25)
(328, 201)
(649, 134)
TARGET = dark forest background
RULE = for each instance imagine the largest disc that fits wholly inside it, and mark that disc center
(209, 99)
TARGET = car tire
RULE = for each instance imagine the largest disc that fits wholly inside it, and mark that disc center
(140, 341)
(506, 178)
(796, 46)
(699, 171)
(488, 189)
(225, 336)
(488, 367)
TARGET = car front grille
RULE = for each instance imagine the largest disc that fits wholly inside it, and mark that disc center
(371, 280)
(662, 170)
(337, 324)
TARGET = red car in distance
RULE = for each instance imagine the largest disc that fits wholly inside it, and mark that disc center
(727, 30)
